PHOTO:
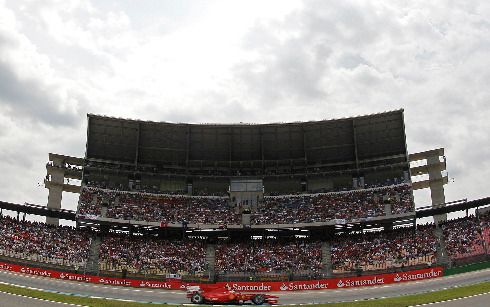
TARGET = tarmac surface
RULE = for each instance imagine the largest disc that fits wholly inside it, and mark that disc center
(285, 298)
(11, 300)
(476, 301)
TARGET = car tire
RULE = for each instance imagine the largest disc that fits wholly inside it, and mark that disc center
(197, 298)
(259, 299)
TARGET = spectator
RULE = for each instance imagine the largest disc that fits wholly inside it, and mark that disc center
(47, 243)
(463, 237)
(347, 205)
(403, 246)
(268, 256)
(141, 254)
(158, 207)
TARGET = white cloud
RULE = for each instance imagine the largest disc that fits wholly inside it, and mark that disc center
(245, 61)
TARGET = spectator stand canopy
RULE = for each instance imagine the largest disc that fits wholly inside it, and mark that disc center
(289, 157)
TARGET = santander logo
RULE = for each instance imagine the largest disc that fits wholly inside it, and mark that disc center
(397, 278)
(283, 287)
(340, 284)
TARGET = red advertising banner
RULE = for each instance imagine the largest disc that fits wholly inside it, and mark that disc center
(332, 283)
(91, 279)
(336, 283)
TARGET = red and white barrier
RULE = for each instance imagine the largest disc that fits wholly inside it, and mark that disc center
(336, 283)
(332, 283)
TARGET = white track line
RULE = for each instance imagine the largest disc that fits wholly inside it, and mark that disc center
(40, 299)
(451, 300)
(68, 294)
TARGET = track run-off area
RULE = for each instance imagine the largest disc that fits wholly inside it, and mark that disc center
(285, 298)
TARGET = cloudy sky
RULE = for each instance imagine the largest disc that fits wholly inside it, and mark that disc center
(242, 61)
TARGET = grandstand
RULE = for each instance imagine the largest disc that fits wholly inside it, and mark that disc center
(218, 202)
(201, 159)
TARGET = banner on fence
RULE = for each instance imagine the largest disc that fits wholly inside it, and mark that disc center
(332, 283)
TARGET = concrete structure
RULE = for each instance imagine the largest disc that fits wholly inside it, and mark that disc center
(246, 194)
(60, 169)
(211, 260)
(204, 159)
(327, 258)
(289, 157)
(433, 163)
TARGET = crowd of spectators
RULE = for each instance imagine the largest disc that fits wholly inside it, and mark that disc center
(158, 207)
(286, 209)
(346, 205)
(371, 250)
(168, 209)
(41, 242)
(485, 228)
(463, 237)
(90, 202)
(143, 254)
(268, 256)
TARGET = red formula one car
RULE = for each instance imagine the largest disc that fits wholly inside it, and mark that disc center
(225, 296)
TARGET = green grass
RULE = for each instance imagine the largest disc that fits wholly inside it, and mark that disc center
(389, 302)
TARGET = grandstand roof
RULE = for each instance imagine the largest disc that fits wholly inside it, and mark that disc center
(355, 140)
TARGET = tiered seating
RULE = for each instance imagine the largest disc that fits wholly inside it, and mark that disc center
(268, 256)
(158, 207)
(288, 209)
(371, 251)
(346, 205)
(463, 238)
(44, 243)
(485, 228)
(152, 255)
(90, 202)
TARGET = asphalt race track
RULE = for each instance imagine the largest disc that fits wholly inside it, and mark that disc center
(10, 300)
(475, 301)
(300, 297)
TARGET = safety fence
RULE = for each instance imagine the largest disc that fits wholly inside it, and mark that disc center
(332, 283)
